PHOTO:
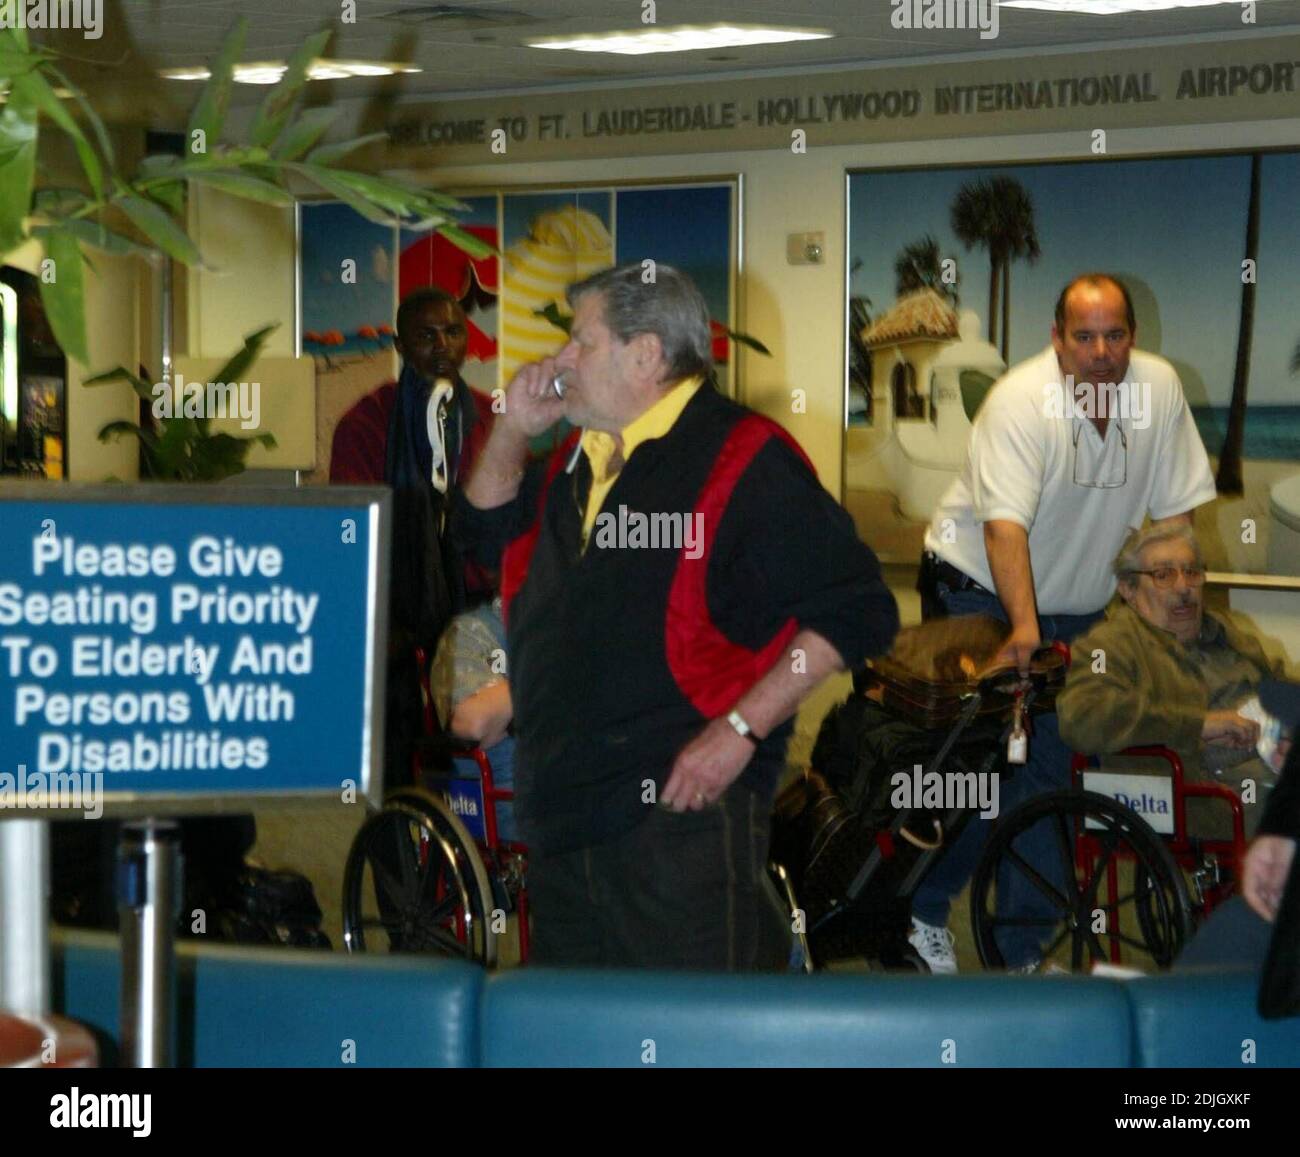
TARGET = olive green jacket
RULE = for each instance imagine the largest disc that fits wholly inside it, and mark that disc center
(1151, 691)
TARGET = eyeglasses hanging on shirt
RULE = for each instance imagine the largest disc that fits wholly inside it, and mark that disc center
(1101, 469)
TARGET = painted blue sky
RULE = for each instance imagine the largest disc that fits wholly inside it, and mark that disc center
(1173, 228)
(686, 227)
(331, 233)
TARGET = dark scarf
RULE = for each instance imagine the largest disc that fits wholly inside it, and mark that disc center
(426, 584)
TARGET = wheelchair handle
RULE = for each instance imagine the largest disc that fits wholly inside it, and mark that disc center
(1007, 680)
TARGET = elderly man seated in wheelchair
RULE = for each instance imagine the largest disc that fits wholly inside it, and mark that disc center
(1161, 669)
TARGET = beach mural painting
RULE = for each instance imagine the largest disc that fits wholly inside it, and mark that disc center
(953, 275)
(547, 241)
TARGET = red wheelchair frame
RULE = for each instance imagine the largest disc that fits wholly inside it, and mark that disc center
(497, 855)
(1214, 865)
(495, 852)
(1166, 908)
(419, 824)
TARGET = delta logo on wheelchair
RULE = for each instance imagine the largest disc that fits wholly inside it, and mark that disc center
(464, 796)
(1150, 796)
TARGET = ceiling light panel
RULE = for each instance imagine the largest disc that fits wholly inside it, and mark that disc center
(1110, 7)
(683, 38)
(270, 72)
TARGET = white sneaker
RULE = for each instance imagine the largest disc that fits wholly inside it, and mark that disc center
(934, 946)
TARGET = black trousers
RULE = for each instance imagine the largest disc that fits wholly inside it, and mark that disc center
(682, 890)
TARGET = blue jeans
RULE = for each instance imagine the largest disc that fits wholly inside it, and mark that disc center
(1234, 936)
(502, 758)
(1047, 770)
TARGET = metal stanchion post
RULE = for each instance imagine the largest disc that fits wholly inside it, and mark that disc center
(24, 916)
(148, 897)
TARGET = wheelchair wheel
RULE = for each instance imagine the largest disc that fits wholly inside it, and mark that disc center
(802, 958)
(1155, 929)
(414, 882)
(1122, 891)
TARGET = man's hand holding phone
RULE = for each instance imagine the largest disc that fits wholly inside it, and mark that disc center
(531, 408)
(531, 404)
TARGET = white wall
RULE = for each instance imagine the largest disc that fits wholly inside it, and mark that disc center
(251, 253)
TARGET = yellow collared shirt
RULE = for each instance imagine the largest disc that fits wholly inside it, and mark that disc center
(602, 447)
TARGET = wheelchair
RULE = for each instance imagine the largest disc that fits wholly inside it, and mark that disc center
(1212, 867)
(429, 871)
(849, 878)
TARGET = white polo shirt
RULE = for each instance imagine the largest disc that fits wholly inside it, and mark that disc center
(1032, 452)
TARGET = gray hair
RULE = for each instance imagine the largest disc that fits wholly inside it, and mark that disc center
(660, 300)
(1129, 562)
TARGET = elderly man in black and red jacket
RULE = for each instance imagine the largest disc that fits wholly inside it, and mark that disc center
(676, 582)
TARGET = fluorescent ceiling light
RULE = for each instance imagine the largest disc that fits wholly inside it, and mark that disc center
(682, 38)
(259, 73)
(270, 72)
(1110, 7)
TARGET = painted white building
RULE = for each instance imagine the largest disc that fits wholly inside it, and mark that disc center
(930, 370)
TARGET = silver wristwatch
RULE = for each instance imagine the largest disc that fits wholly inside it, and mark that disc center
(741, 728)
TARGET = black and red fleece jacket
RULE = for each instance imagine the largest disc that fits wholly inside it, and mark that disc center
(620, 655)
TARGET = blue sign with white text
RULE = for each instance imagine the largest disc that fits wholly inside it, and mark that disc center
(198, 649)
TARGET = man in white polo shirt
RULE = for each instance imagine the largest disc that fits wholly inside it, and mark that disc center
(1070, 451)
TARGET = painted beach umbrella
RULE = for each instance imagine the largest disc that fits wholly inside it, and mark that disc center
(563, 246)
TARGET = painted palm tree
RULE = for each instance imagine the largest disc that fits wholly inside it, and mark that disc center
(974, 223)
(920, 266)
(997, 215)
(1229, 480)
(859, 355)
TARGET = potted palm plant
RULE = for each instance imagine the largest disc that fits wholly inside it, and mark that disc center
(141, 212)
